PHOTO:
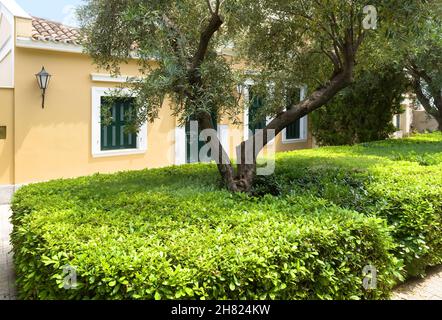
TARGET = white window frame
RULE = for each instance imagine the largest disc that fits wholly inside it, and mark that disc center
(303, 124)
(246, 97)
(397, 118)
(181, 143)
(97, 94)
(303, 129)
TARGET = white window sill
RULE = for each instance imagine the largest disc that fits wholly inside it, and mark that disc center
(290, 141)
(118, 153)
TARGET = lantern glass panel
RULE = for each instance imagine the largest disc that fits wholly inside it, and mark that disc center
(43, 79)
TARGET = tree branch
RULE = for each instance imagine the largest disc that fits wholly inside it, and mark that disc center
(317, 99)
(210, 7)
(423, 99)
(178, 34)
(335, 59)
(338, 81)
(214, 24)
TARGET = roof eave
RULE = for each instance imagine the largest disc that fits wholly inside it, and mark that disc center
(15, 9)
(30, 43)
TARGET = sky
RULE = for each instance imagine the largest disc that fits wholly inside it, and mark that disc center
(56, 10)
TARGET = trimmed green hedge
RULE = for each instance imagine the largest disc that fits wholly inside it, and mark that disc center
(132, 239)
(398, 180)
(172, 233)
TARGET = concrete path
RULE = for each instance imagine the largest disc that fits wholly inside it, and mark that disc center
(7, 277)
(429, 288)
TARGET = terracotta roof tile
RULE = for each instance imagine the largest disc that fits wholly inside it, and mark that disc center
(45, 30)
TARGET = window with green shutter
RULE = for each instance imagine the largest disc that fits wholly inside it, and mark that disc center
(114, 135)
(293, 131)
(191, 139)
(397, 121)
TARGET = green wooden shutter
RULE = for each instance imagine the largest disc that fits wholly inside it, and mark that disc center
(115, 136)
(293, 131)
(189, 141)
(256, 104)
(398, 122)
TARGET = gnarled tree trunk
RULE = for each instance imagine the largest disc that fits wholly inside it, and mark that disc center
(343, 59)
(246, 170)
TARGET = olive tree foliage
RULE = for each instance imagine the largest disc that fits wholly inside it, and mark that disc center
(363, 111)
(175, 43)
(417, 47)
(423, 62)
(283, 43)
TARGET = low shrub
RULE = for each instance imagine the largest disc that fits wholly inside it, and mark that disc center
(386, 179)
(131, 239)
(173, 233)
(410, 199)
(266, 185)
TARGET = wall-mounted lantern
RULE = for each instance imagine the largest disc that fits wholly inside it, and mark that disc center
(43, 78)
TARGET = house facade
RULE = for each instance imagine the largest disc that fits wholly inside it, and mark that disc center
(66, 138)
(422, 121)
(413, 119)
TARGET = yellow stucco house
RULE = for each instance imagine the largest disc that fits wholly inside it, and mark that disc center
(65, 138)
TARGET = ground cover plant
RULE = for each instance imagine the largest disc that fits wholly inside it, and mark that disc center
(174, 233)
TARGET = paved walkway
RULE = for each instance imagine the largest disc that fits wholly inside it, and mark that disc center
(7, 291)
(429, 288)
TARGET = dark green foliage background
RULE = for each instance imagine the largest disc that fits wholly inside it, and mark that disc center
(362, 112)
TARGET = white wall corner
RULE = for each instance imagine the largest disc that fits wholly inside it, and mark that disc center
(6, 193)
(7, 53)
(246, 101)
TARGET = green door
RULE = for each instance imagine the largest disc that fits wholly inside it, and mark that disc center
(293, 131)
(192, 140)
(256, 122)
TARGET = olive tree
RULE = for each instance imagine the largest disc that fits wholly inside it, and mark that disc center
(281, 42)
(416, 47)
(423, 62)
